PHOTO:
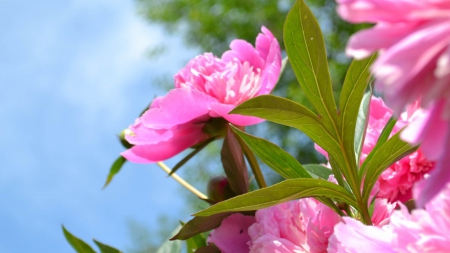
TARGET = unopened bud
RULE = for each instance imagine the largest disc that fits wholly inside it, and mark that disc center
(219, 189)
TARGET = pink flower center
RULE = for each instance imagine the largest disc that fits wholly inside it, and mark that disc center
(231, 82)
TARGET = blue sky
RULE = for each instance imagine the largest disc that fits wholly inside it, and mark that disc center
(73, 74)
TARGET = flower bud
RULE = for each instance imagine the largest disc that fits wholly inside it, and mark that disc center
(219, 189)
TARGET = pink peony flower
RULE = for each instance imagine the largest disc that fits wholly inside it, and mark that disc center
(232, 235)
(208, 87)
(297, 226)
(421, 231)
(397, 181)
(432, 132)
(413, 37)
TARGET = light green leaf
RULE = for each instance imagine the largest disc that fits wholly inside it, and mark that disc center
(387, 130)
(318, 170)
(380, 159)
(355, 84)
(115, 168)
(195, 243)
(276, 194)
(284, 62)
(77, 244)
(171, 246)
(361, 124)
(305, 48)
(106, 248)
(276, 158)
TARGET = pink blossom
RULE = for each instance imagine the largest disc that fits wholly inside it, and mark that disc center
(208, 87)
(297, 226)
(232, 235)
(432, 131)
(413, 37)
(397, 181)
(421, 231)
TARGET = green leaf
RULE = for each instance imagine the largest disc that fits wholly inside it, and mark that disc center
(361, 123)
(289, 113)
(190, 155)
(305, 48)
(284, 62)
(199, 225)
(77, 244)
(287, 190)
(115, 168)
(337, 174)
(387, 130)
(355, 84)
(381, 158)
(276, 158)
(171, 246)
(318, 170)
(106, 248)
(195, 243)
(234, 164)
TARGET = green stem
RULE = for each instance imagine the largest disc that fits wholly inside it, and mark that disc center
(253, 164)
(365, 214)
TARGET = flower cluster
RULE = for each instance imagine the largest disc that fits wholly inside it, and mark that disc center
(206, 89)
(420, 231)
(413, 38)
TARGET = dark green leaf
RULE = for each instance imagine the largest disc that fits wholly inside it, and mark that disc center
(355, 84)
(77, 244)
(290, 113)
(318, 170)
(361, 124)
(287, 190)
(208, 249)
(190, 155)
(234, 164)
(115, 168)
(337, 174)
(279, 160)
(106, 248)
(171, 246)
(380, 159)
(305, 48)
(199, 225)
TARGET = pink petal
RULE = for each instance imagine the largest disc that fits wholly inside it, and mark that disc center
(232, 235)
(272, 68)
(177, 107)
(362, 44)
(429, 187)
(165, 149)
(143, 135)
(352, 236)
(222, 110)
(244, 52)
(405, 71)
(372, 11)
(263, 42)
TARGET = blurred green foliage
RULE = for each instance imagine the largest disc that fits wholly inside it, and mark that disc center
(212, 25)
